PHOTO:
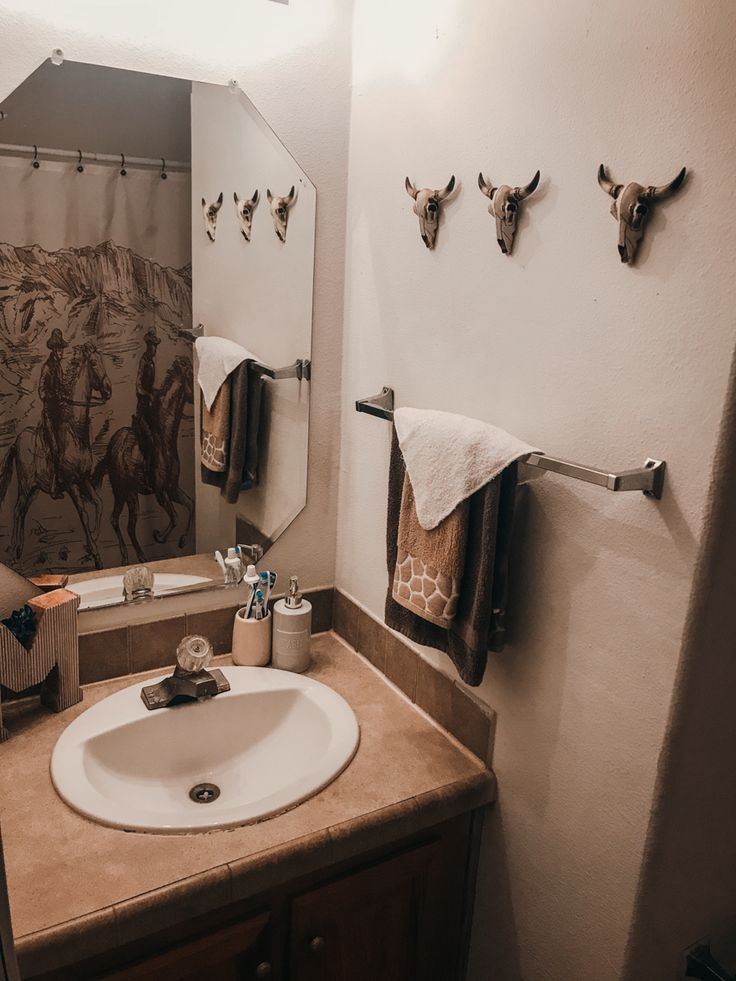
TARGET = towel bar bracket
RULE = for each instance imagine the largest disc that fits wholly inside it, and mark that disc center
(381, 405)
(648, 479)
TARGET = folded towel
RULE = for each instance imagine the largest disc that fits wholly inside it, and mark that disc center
(429, 564)
(233, 467)
(478, 624)
(217, 357)
(449, 457)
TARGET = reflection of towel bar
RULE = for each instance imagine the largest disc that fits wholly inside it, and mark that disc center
(301, 369)
(649, 479)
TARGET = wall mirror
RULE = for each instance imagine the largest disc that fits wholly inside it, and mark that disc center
(138, 213)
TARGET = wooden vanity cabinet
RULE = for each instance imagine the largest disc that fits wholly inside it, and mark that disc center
(401, 913)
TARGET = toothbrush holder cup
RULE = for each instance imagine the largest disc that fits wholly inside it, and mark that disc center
(251, 640)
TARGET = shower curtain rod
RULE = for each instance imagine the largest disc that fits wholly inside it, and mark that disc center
(12, 149)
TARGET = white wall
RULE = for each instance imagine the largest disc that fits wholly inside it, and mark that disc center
(289, 59)
(257, 293)
(575, 352)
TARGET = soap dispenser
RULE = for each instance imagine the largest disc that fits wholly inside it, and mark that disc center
(292, 630)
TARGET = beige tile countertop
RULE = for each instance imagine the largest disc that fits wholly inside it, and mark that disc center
(78, 888)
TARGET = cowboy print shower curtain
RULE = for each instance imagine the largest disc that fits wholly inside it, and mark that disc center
(96, 390)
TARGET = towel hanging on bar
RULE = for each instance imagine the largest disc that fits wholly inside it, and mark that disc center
(648, 479)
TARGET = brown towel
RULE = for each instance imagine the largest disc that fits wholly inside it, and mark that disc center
(479, 622)
(215, 436)
(429, 564)
(245, 385)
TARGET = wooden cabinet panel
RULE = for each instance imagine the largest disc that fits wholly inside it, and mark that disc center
(232, 954)
(365, 926)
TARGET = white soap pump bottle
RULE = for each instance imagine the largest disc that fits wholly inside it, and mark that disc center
(292, 630)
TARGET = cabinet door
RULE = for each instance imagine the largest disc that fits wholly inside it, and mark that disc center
(364, 927)
(236, 953)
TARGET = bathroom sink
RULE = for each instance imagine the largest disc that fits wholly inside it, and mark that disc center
(109, 589)
(272, 741)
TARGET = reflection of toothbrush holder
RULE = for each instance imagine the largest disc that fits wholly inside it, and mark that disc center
(251, 640)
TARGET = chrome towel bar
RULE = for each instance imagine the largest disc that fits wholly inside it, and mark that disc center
(648, 479)
(301, 368)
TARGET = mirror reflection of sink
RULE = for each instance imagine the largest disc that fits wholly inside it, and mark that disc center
(109, 589)
(271, 742)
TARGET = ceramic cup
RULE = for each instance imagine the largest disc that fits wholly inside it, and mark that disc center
(251, 640)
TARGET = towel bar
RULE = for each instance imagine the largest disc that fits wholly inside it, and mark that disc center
(648, 479)
(301, 369)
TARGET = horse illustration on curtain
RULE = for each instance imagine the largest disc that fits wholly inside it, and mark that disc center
(55, 456)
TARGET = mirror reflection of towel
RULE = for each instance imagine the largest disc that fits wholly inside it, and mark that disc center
(230, 433)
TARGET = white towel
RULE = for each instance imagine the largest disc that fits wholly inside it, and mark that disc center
(449, 457)
(217, 357)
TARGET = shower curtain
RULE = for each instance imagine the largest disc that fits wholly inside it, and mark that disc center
(96, 420)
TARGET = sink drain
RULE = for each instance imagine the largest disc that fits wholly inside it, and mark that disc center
(204, 793)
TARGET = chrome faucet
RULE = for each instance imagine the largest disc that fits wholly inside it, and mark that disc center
(191, 681)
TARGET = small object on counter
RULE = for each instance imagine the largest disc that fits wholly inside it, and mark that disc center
(292, 630)
(51, 656)
(22, 625)
(138, 583)
(251, 639)
(48, 582)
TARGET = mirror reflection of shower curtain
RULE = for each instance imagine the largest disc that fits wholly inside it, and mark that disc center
(96, 415)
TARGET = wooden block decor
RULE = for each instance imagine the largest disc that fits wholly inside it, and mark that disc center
(52, 661)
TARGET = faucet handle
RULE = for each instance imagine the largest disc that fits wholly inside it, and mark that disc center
(137, 583)
(194, 653)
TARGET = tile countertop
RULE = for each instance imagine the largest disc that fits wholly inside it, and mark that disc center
(78, 888)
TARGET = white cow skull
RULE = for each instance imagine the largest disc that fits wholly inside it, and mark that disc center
(210, 212)
(280, 211)
(244, 208)
(504, 207)
(631, 207)
(427, 208)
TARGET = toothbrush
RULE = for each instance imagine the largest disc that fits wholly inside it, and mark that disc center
(258, 605)
(268, 581)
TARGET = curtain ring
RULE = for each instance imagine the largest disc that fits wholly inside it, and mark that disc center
(123, 171)
(164, 175)
(80, 167)
(35, 163)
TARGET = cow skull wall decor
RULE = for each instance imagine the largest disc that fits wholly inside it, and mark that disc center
(244, 208)
(427, 208)
(631, 204)
(280, 211)
(210, 212)
(504, 207)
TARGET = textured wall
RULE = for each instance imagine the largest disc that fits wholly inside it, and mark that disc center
(289, 60)
(573, 351)
(688, 889)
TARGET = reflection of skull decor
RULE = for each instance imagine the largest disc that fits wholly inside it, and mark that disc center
(280, 211)
(504, 207)
(427, 208)
(631, 207)
(244, 208)
(210, 212)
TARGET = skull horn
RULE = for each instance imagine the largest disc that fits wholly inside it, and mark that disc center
(410, 189)
(524, 192)
(660, 193)
(607, 184)
(486, 186)
(447, 190)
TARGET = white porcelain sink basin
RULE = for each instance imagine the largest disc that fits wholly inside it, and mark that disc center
(109, 589)
(273, 740)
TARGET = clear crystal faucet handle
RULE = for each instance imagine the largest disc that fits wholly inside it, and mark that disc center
(194, 653)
